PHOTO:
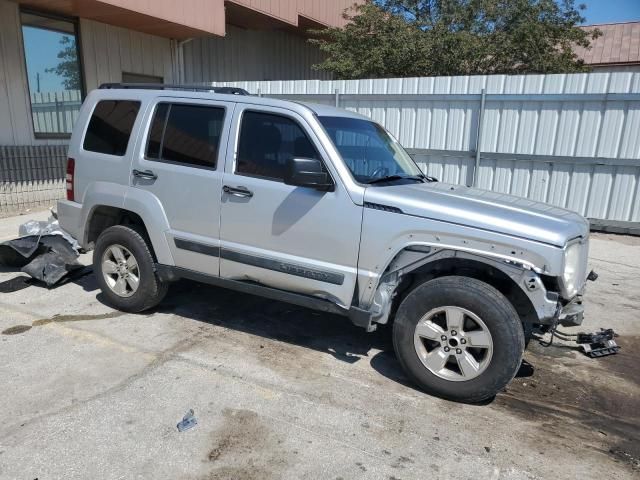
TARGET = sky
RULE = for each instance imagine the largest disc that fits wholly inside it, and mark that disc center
(610, 11)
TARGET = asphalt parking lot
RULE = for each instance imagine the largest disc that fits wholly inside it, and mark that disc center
(283, 392)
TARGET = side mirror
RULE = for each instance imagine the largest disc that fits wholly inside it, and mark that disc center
(308, 172)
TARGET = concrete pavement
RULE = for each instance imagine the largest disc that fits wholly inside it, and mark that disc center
(284, 392)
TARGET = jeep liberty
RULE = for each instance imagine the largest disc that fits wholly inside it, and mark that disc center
(319, 207)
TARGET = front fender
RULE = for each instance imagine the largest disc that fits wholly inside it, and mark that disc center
(386, 234)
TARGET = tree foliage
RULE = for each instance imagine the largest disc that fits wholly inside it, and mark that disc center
(67, 67)
(401, 38)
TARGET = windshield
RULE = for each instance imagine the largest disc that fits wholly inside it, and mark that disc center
(368, 150)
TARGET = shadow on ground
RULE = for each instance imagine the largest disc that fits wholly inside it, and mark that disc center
(323, 332)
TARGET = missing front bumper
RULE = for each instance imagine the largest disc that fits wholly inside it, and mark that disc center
(572, 314)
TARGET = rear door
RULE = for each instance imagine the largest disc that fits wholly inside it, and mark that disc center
(293, 238)
(181, 162)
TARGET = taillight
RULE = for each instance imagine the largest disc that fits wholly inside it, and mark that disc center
(71, 167)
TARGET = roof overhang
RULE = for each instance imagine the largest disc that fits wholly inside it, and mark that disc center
(193, 18)
(166, 18)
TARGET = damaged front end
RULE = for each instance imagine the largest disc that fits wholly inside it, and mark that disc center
(538, 300)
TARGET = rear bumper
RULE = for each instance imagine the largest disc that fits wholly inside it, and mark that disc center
(70, 218)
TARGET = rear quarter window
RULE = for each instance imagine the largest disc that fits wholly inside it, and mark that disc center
(110, 126)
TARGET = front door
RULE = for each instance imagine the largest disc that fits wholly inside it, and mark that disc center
(182, 164)
(292, 238)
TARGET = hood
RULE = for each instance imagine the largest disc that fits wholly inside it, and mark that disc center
(496, 212)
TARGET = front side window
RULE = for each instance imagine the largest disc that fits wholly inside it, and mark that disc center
(53, 71)
(185, 134)
(267, 142)
(368, 150)
(110, 126)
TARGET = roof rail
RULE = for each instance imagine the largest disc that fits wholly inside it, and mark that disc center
(169, 86)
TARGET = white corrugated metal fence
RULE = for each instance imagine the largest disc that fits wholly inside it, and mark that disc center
(570, 140)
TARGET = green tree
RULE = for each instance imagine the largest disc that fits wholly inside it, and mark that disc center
(67, 67)
(401, 38)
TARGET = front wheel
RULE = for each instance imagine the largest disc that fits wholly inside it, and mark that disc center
(458, 338)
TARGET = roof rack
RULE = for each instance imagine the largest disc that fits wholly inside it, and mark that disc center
(169, 86)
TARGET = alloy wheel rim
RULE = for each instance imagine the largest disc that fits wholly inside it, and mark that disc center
(453, 343)
(120, 270)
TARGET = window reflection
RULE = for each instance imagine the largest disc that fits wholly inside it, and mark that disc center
(53, 71)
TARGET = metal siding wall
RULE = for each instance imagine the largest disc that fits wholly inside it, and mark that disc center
(552, 138)
(32, 171)
(251, 55)
(108, 51)
(15, 120)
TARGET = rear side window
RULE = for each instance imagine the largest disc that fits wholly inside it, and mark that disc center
(267, 141)
(186, 134)
(110, 126)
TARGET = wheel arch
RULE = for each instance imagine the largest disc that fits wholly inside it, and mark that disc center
(485, 272)
(101, 217)
(412, 267)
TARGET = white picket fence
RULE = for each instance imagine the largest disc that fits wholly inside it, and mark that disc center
(569, 140)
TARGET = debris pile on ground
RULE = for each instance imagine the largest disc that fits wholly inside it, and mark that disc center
(43, 250)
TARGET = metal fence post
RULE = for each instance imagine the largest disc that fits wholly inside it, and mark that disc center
(476, 167)
(337, 95)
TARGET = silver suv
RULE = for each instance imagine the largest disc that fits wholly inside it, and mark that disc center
(320, 207)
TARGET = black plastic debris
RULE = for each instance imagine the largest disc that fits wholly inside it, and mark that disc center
(598, 344)
(187, 422)
(593, 344)
(43, 251)
(16, 253)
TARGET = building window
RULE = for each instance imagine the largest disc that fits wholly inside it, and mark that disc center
(110, 127)
(54, 73)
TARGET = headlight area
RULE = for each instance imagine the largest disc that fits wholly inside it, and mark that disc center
(573, 269)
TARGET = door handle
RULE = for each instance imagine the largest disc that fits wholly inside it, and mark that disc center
(147, 174)
(238, 191)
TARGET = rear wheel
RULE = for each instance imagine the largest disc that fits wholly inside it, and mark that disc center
(458, 338)
(124, 267)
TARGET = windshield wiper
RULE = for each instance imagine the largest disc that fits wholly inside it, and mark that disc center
(391, 178)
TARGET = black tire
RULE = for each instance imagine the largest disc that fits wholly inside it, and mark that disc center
(151, 290)
(491, 307)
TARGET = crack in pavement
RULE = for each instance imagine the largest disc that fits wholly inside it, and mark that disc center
(159, 360)
(632, 267)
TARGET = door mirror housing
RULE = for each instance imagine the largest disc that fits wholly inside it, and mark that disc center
(308, 172)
